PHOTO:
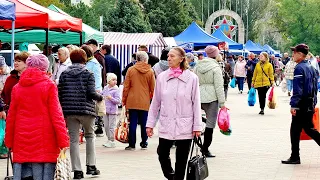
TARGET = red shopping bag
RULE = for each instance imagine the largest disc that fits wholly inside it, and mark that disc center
(315, 120)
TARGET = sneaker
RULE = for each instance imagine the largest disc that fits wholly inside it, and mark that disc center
(241, 92)
(129, 148)
(110, 144)
(261, 112)
(78, 175)
(144, 146)
(92, 170)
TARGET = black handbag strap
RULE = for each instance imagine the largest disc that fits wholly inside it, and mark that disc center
(9, 159)
(198, 142)
(266, 75)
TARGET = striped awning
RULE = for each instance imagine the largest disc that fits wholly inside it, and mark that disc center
(154, 39)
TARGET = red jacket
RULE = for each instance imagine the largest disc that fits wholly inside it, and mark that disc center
(35, 128)
(11, 81)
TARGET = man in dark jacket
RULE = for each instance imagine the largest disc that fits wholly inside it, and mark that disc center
(112, 64)
(152, 59)
(100, 57)
(250, 66)
(286, 58)
(303, 102)
(133, 62)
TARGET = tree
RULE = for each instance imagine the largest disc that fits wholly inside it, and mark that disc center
(46, 3)
(83, 12)
(103, 7)
(170, 17)
(127, 16)
(299, 22)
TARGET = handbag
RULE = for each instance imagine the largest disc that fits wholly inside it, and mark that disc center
(63, 167)
(101, 108)
(197, 165)
(122, 131)
(9, 160)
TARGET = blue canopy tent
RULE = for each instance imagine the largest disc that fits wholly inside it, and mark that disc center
(264, 49)
(8, 12)
(276, 53)
(195, 36)
(232, 44)
(252, 47)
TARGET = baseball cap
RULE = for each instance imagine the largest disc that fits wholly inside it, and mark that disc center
(301, 48)
(92, 41)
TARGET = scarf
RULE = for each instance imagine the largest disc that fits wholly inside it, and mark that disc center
(175, 72)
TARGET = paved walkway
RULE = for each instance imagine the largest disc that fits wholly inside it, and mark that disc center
(252, 152)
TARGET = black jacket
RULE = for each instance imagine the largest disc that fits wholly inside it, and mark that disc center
(77, 91)
(124, 72)
(113, 66)
(152, 60)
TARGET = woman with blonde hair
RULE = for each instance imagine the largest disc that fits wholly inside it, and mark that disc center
(263, 78)
(177, 100)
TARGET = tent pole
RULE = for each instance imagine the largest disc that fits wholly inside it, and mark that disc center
(12, 43)
(47, 41)
(80, 38)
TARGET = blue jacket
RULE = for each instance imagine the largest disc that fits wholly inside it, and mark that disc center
(95, 67)
(304, 87)
(252, 64)
(113, 66)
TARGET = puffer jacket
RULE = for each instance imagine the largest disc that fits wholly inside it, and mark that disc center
(77, 91)
(210, 80)
(259, 78)
(289, 70)
(35, 129)
(160, 67)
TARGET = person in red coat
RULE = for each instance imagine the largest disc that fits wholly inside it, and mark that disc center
(36, 130)
(19, 66)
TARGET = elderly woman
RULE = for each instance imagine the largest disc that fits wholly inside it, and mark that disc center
(62, 65)
(211, 93)
(93, 66)
(77, 94)
(35, 135)
(137, 92)
(263, 78)
(19, 66)
(177, 100)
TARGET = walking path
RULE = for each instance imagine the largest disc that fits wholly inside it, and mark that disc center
(252, 152)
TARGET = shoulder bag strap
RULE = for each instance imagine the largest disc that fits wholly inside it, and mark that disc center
(193, 143)
(8, 164)
(265, 74)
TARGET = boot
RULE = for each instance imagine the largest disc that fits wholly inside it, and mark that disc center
(207, 142)
(92, 170)
(78, 175)
(292, 161)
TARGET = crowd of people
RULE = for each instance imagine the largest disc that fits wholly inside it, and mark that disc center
(170, 92)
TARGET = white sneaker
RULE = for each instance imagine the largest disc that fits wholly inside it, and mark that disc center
(110, 144)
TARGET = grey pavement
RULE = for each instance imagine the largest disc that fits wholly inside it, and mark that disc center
(253, 151)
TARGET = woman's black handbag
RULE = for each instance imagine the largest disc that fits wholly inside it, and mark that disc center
(9, 160)
(197, 165)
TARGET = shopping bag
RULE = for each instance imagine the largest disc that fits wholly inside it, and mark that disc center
(252, 97)
(233, 83)
(315, 120)
(224, 121)
(122, 130)
(272, 99)
(101, 108)
(284, 85)
(63, 167)
(2, 130)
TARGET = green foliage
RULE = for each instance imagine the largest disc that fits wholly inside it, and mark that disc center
(127, 16)
(299, 22)
(83, 12)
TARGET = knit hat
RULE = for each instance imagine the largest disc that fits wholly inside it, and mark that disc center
(38, 61)
(2, 61)
(111, 76)
(211, 51)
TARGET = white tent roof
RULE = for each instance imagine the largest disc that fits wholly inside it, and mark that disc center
(170, 41)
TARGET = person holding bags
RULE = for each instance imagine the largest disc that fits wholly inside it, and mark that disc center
(263, 78)
(177, 99)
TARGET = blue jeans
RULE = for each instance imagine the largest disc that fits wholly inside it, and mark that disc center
(289, 85)
(240, 81)
(38, 171)
(136, 116)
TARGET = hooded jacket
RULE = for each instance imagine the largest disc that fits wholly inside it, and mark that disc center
(35, 129)
(211, 81)
(160, 67)
(77, 91)
(138, 87)
(112, 105)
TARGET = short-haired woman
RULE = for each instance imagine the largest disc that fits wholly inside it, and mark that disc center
(77, 94)
(36, 130)
(137, 92)
(263, 78)
(177, 99)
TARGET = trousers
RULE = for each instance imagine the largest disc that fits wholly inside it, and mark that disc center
(110, 125)
(262, 93)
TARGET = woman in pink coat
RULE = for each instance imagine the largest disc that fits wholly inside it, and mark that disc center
(177, 99)
(240, 72)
